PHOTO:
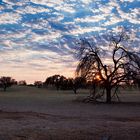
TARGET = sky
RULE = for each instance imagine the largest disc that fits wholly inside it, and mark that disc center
(37, 37)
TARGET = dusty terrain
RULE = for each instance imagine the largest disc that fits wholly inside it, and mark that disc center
(28, 113)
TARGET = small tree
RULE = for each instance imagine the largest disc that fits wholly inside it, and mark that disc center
(78, 82)
(6, 82)
(92, 63)
(22, 83)
(38, 84)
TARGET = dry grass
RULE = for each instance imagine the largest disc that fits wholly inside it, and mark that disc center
(28, 113)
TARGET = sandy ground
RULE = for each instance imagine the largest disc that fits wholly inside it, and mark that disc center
(28, 113)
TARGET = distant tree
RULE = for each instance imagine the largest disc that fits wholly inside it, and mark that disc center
(47, 82)
(69, 84)
(6, 82)
(38, 84)
(56, 80)
(92, 62)
(78, 82)
(63, 83)
(22, 83)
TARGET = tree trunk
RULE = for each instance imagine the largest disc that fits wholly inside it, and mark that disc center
(75, 90)
(4, 88)
(108, 95)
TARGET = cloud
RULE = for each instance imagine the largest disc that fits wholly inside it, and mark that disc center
(127, 1)
(106, 9)
(96, 18)
(132, 15)
(48, 2)
(32, 10)
(83, 30)
(65, 8)
(9, 18)
(86, 1)
(46, 37)
(113, 20)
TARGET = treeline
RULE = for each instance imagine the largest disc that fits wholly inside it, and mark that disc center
(60, 82)
(7, 81)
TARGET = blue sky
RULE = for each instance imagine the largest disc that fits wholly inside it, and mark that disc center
(37, 37)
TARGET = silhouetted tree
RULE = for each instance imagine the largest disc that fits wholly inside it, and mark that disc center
(6, 82)
(38, 84)
(134, 67)
(22, 83)
(70, 83)
(61, 82)
(47, 81)
(92, 62)
(78, 82)
(55, 80)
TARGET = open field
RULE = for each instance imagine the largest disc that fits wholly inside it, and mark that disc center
(28, 113)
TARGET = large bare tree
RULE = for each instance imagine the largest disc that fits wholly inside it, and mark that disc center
(109, 65)
(134, 67)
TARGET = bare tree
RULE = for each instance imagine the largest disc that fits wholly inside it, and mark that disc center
(134, 67)
(112, 73)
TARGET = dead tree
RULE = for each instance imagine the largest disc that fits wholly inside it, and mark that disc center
(92, 64)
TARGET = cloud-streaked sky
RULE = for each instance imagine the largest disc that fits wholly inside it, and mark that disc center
(37, 36)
